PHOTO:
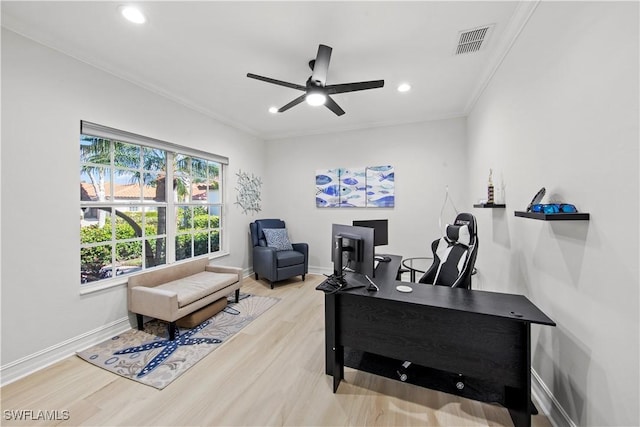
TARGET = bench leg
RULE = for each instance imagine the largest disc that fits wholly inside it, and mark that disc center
(172, 331)
(139, 321)
(237, 295)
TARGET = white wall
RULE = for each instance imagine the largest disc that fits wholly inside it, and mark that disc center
(427, 157)
(44, 96)
(562, 112)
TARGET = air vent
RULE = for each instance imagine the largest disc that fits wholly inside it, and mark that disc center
(472, 40)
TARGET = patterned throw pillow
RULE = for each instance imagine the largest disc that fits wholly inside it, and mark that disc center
(277, 238)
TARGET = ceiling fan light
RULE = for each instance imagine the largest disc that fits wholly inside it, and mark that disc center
(273, 110)
(404, 87)
(133, 14)
(316, 98)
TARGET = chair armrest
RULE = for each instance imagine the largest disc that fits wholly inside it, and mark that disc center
(154, 302)
(301, 247)
(224, 269)
(264, 261)
(304, 249)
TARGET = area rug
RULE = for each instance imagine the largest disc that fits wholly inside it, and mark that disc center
(150, 358)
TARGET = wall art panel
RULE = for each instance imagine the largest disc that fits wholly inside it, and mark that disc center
(353, 188)
(328, 188)
(380, 186)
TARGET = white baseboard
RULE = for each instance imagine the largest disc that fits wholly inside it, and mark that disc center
(547, 403)
(320, 270)
(312, 270)
(27, 365)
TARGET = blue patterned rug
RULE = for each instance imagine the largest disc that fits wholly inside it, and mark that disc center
(150, 358)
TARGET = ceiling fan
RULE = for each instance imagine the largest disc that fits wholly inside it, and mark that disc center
(316, 91)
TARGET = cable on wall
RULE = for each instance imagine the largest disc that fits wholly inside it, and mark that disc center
(444, 203)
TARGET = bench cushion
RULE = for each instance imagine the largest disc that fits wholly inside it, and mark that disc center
(199, 285)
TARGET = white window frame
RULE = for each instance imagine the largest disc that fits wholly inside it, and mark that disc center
(171, 232)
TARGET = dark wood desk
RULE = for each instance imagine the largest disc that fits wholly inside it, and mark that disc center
(483, 337)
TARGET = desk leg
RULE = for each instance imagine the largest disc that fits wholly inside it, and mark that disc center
(329, 332)
(520, 399)
(334, 353)
(338, 366)
(520, 419)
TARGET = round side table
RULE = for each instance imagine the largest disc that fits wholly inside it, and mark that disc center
(417, 264)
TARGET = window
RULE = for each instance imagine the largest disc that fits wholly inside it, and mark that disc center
(130, 218)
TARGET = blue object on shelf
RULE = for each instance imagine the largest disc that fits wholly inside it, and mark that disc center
(552, 208)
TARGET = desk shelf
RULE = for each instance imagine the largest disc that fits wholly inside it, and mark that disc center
(490, 206)
(575, 216)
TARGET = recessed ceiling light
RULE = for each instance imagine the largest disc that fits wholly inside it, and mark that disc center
(133, 14)
(404, 87)
(273, 110)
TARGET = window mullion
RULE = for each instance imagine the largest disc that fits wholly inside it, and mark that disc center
(171, 209)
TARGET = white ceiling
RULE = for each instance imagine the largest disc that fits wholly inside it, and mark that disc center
(198, 53)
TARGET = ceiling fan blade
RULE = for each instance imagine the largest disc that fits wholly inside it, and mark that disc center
(276, 82)
(333, 106)
(321, 65)
(293, 103)
(352, 87)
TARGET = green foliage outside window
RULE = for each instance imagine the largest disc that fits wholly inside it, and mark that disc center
(94, 258)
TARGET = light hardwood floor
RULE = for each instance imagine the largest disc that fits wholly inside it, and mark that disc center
(269, 374)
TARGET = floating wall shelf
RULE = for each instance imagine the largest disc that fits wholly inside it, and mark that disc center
(490, 206)
(576, 216)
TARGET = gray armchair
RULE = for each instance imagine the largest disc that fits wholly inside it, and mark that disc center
(276, 264)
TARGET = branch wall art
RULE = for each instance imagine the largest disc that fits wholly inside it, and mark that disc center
(248, 192)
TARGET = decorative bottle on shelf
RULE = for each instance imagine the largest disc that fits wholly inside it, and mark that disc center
(490, 189)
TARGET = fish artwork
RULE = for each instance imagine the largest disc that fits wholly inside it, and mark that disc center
(380, 168)
(381, 183)
(333, 190)
(321, 203)
(360, 187)
(323, 179)
(383, 202)
(387, 177)
(350, 181)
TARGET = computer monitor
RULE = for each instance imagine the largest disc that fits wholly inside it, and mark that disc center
(380, 227)
(352, 247)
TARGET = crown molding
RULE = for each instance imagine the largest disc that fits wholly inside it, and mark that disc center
(516, 24)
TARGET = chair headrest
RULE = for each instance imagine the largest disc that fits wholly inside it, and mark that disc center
(469, 220)
(459, 234)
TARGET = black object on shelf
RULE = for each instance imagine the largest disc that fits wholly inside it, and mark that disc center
(537, 198)
(562, 216)
(490, 205)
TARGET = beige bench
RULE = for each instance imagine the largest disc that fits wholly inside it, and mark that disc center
(178, 290)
